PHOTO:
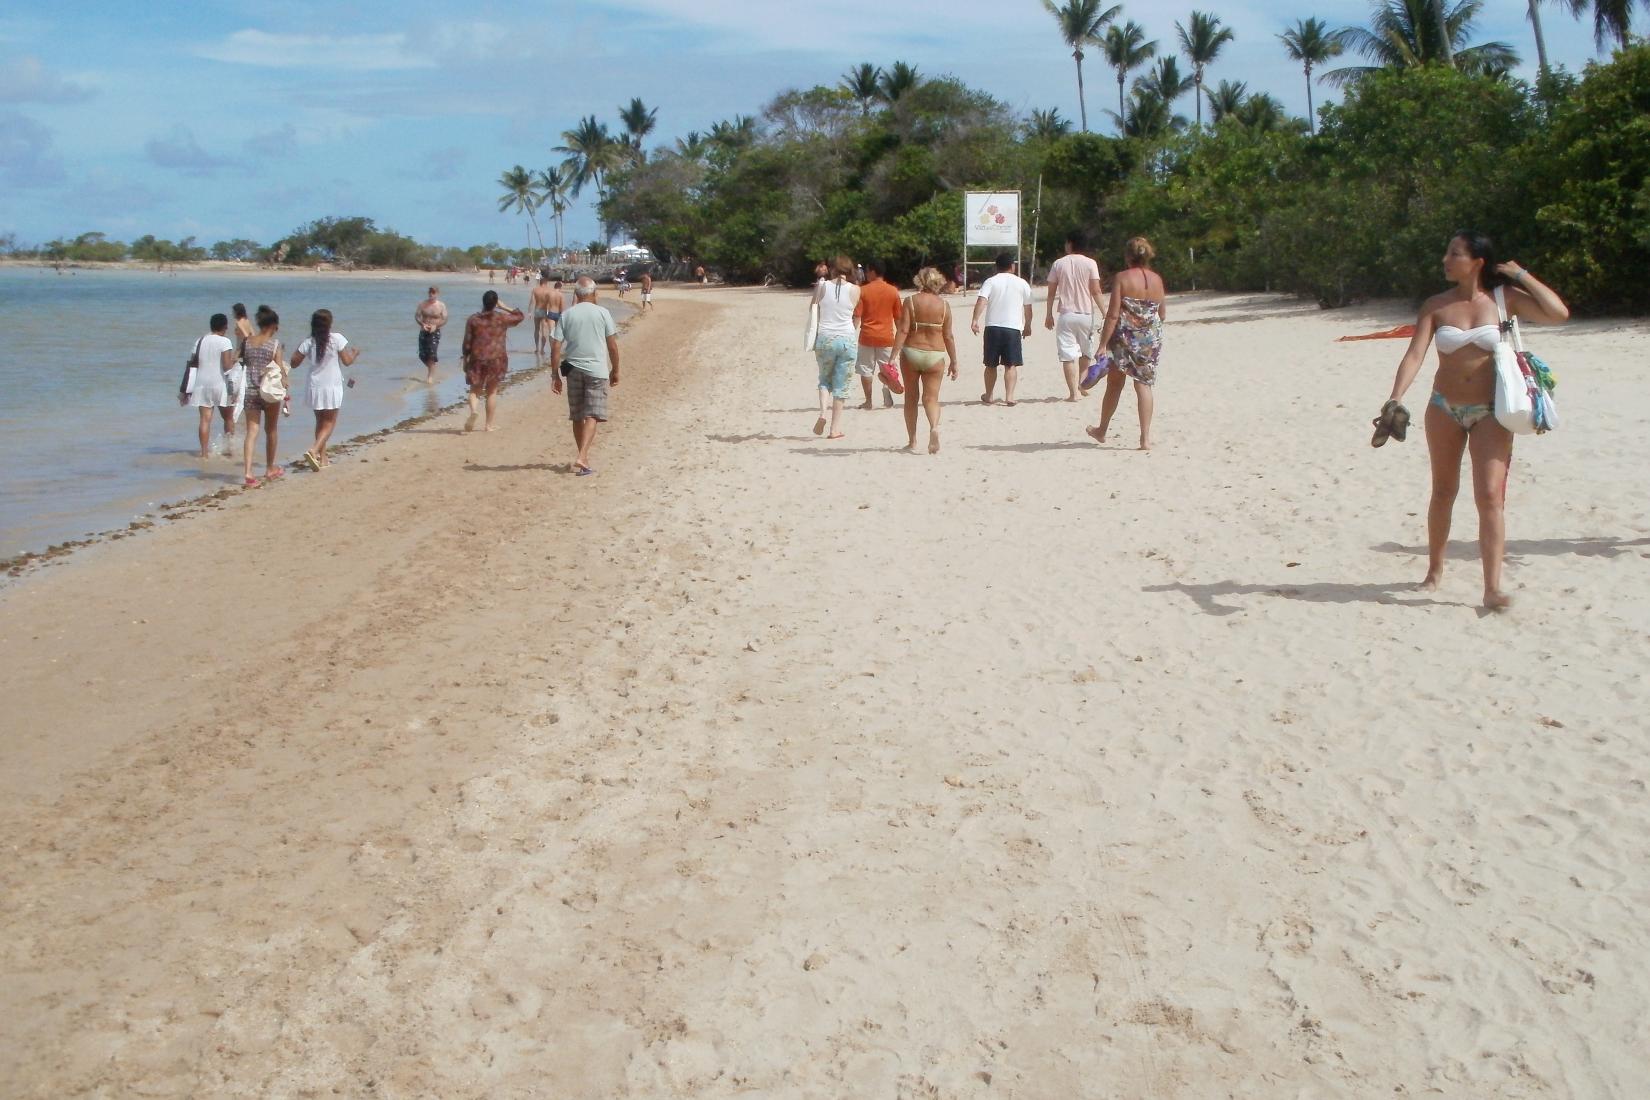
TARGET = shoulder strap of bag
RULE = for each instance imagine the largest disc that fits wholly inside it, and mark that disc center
(1509, 324)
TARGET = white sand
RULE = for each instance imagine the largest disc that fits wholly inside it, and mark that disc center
(759, 765)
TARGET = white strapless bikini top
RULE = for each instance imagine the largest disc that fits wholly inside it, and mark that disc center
(1451, 339)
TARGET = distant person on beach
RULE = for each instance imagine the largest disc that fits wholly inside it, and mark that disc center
(927, 353)
(878, 309)
(647, 291)
(586, 352)
(1073, 290)
(1133, 336)
(243, 327)
(1004, 304)
(1466, 324)
(327, 353)
(261, 355)
(431, 318)
(547, 304)
(837, 344)
(214, 357)
(486, 360)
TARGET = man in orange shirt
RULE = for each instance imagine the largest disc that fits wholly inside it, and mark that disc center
(878, 309)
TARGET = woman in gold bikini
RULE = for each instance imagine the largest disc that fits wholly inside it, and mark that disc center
(1460, 414)
(925, 350)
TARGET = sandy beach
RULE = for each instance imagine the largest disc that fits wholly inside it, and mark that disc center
(760, 765)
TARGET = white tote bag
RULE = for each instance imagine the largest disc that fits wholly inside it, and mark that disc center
(1514, 390)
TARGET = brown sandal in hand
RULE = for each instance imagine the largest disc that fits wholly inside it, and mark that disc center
(1393, 422)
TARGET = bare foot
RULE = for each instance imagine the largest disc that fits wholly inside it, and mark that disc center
(836, 435)
(470, 422)
(986, 399)
(1095, 434)
(819, 426)
(1145, 444)
(492, 427)
(1496, 601)
(910, 448)
(934, 443)
(1430, 582)
(1073, 397)
(867, 405)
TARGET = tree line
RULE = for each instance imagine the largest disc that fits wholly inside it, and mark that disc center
(338, 241)
(1432, 134)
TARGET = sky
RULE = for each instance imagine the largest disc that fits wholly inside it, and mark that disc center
(234, 120)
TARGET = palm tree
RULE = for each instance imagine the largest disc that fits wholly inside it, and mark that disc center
(1165, 82)
(1147, 115)
(1080, 25)
(1611, 19)
(864, 83)
(1126, 49)
(1048, 125)
(1310, 42)
(692, 145)
(1404, 34)
(1540, 39)
(897, 81)
(555, 191)
(519, 196)
(1201, 40)
(1261, 113)
(590, 152)
(639, 121)
(734, 134)
(1225, 99)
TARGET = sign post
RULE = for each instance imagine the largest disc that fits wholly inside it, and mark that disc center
(991, 219)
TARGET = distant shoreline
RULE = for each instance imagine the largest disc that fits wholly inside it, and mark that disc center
(240, 268)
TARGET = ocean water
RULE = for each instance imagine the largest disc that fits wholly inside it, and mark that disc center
(91, 435)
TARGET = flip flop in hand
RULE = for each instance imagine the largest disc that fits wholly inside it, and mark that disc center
(1393, 422)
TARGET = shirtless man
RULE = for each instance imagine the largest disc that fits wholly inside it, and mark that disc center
(431, 316)
(647, 291)
(547, 305)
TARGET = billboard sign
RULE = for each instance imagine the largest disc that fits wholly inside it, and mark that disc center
(992, 218)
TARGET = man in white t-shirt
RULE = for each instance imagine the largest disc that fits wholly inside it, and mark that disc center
(1004, 303)
(1073, 283)
(208, 389)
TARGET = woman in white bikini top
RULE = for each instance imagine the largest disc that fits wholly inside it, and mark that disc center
(1465, 323)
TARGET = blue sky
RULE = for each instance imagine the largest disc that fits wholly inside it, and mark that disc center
(239, 120)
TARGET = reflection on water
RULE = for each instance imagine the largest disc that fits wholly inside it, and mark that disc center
(91, 434)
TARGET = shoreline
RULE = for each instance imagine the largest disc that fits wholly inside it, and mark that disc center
(21, 564)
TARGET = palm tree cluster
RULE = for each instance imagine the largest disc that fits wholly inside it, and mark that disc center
(589, 152)
(1400, 34)
(869, 85)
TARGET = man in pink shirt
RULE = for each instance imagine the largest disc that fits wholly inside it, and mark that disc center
(1073, 283)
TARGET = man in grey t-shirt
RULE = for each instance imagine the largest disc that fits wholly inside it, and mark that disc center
(585, 350)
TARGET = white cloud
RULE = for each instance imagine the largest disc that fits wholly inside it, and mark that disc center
(26, 80)
(345, 53)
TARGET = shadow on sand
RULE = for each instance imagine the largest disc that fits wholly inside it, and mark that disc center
(547, 467)
(1033, 448)
(1597, 547)
(1208, 596)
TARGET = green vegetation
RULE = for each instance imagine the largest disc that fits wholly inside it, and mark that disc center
(1252, 200)
(346, 242)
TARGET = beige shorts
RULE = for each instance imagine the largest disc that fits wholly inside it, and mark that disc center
(870, 360)
(1074, 336)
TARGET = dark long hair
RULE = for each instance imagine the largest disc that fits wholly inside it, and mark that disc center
(320, 331)
(1480, 247)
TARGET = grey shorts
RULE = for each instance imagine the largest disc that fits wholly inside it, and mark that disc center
(586, 396)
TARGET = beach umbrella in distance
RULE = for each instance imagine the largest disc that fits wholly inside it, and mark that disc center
(1081, 22)
(1126, 49)
(1201, 40)
(1310, 42)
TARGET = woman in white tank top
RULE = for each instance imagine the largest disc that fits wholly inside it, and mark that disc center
(837, 342)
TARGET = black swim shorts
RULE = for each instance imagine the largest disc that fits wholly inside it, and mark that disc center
(427, 344)
(1003, 347)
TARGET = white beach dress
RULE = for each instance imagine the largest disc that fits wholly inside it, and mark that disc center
(326, 372)
(211, 387)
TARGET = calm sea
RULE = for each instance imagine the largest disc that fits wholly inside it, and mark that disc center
(91, 435)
